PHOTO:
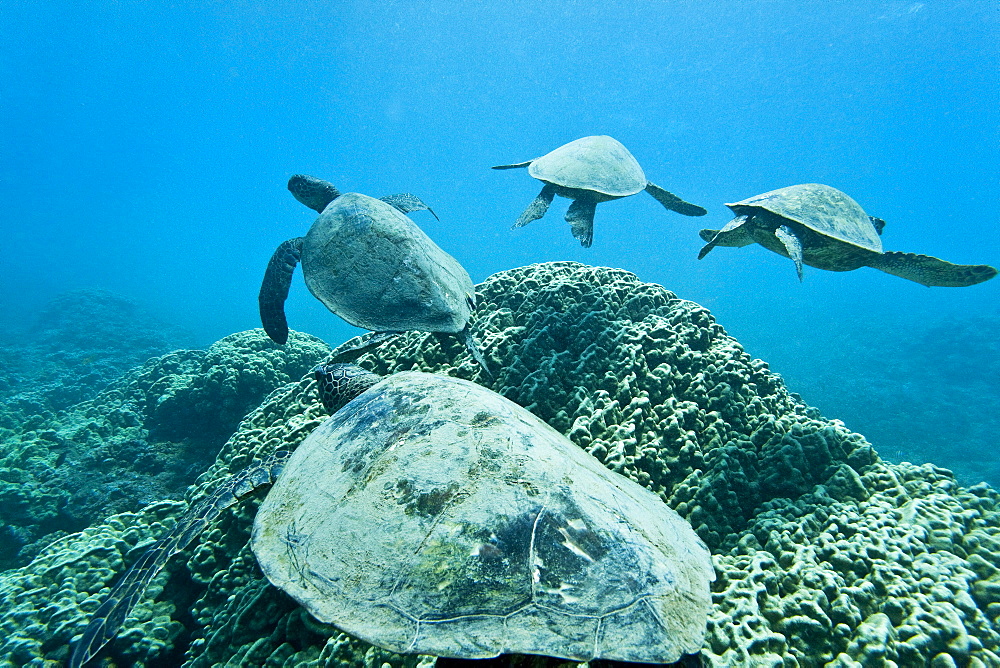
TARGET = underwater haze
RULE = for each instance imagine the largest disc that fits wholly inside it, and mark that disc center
(146, 147)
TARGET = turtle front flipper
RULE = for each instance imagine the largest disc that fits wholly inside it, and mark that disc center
(314, 193)
(407, 202)
(792, 246)
(580, 217)
(673, 202)
(274, 289)
(516, 165)
(735, 233)
(931, 271)
(110, 616)
(538, 206)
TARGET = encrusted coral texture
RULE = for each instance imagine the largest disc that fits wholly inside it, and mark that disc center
(144, 438)
(825, 554)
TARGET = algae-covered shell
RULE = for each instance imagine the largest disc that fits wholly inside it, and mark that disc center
(601, 164)
(430, 515)
(822, 209)
(372, 266)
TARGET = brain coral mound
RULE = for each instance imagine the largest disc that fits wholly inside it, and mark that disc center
(825, 553)
(144, 438)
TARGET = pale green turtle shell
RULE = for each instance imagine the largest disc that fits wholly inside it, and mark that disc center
(601, 164)
(820, 208)
(372, 266)
(431, 515)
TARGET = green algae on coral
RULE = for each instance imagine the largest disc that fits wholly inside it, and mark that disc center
(825, 554)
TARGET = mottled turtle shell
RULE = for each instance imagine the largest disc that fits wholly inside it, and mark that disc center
(433, 516)
(598, 163)
(372, 266)
(822, 209)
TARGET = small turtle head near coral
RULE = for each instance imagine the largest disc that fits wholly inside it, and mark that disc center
(823, 227)
(589, 171)
(430, 515)
(370, 264)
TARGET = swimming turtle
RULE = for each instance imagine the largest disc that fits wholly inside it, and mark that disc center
(589, 171)
(371, 265)
(823, 227)
(430, 515)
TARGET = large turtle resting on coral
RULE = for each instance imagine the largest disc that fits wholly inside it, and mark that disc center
(430, 515)
(820, 226)
(589, 171)
(371, 265)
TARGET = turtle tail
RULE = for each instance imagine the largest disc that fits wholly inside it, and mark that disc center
(110, 617)
(274, 289)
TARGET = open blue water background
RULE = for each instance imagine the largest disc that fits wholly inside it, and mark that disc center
(145, 146)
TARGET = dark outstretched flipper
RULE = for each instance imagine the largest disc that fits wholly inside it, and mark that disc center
(673, 202)
(314, 193)
(274, 289)
(931, 271)
(580, 217)
(537, 208)
(407, 202)
(110, 617)
(792, 246)
(735, 233)
(516, 165)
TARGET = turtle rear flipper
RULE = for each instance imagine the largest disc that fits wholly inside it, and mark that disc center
(580, 217)
(274, 289)
(673, 202)
(110, 617)
(407, 202)
(793, 246)
(931, 271)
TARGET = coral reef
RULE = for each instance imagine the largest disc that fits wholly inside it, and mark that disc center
(80, 342)
(144, 438)
(934, 399)
(825, 553)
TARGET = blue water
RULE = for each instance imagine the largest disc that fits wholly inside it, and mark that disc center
(146, 146)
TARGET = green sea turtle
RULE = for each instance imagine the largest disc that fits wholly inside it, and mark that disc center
(371, 265)
(820, 226)
(430, 515)
(589, 171)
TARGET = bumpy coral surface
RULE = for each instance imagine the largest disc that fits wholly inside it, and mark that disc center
(825, 554)
(80, 342)
(144, 438)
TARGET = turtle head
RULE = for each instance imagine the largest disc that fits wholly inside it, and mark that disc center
(340, 383)
(314, 193)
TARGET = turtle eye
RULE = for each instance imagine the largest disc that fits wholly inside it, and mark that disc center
(471, 301)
